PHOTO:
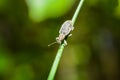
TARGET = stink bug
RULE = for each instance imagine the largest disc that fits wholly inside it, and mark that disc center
(64, 32)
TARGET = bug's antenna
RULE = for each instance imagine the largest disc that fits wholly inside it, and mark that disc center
(52, 43)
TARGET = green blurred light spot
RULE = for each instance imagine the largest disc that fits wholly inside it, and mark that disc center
(83, 54)
(5, 63)
(40, 10)
(2, 4)
(117, 10)
(23, 72)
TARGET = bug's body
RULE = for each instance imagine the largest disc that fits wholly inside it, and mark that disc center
(64, 31)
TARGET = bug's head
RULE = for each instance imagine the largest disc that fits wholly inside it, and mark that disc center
(58, 40)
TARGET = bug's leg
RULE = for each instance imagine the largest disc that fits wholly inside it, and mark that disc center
(69, 35)
(57, 38)
(65, 42)
(72, 28)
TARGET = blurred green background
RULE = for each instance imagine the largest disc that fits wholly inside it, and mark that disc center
(28, 26)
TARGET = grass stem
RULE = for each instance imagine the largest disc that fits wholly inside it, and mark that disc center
(77, 11)
(61, 48)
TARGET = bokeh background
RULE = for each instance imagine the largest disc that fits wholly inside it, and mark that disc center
(28, 26)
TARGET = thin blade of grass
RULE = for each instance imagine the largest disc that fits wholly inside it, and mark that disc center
(61, 48)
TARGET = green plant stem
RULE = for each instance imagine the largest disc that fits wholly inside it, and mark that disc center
(77, 11)
(56, 62)
(61, 48)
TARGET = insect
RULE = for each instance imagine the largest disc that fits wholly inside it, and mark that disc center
(64, 32)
